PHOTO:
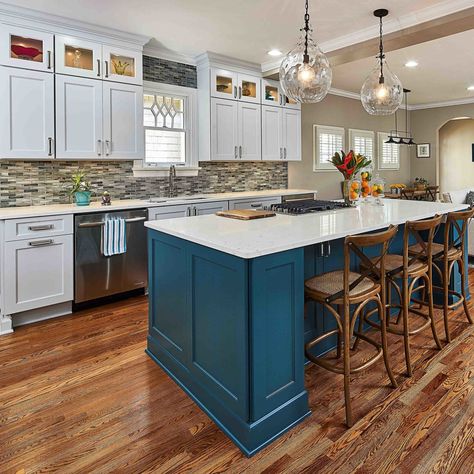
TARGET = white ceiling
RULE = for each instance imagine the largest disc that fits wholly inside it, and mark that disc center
(445, 69)
(244, 29)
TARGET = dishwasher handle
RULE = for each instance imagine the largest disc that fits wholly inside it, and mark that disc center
(100, 224)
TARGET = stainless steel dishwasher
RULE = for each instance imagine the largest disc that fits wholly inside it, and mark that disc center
(97, 276)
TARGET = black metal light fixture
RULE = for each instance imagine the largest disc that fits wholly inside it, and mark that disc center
(402, 137)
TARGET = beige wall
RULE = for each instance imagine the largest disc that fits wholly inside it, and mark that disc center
(340, 112)
(425, 126)
(456, 169)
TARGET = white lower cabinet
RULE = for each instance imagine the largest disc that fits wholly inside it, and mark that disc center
(254, 203)
(206, 208)
(40, 273)
(168, 212)
(78, 117)
(27, 114)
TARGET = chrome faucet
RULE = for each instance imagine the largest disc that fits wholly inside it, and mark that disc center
(171, 181)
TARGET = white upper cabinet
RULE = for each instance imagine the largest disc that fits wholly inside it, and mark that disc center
(78, 57)
(78, 118)
(232, 85)
(26, 48)
(272, 133)
(248, 88)
(271, 93)
(123, 121)
(224, 130)
(121, 65)
(250, 131)
(27, 114)
(291, 135)
(224, 84)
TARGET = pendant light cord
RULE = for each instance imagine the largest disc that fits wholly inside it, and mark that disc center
(381, 53)
(306, 30)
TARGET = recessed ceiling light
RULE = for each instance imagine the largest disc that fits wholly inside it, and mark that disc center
(470, 88)
(275, 52)
(411, 64)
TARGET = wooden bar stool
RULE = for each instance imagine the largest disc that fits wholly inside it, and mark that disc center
(343, 289)
(411, 267)
(445, 256)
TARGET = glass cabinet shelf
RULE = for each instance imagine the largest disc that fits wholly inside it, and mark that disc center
(272, 94)
(27, 49)
(122, 65)
(224, 85)
(249, 89)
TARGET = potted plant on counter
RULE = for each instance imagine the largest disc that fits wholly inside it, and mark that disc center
(349, 165)
(420, 183)
(80, 189)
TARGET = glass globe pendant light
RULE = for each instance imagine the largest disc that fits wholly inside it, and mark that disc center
(382, 91)
(305, 73)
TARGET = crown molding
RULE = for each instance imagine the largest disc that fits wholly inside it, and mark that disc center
(219, 60)
(168, 54)
(444, 103)
(59, 24)
(343, 93)
(447, 7)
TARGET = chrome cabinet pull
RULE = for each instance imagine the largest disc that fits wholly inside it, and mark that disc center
(98, 68)
(258, 204)
(240, 151)
(99, 147)
(50, 146)
(284, 152)
(281, 153)
(240, 92)
(236, 152)
(106, 69)
(37, 228)
(49, 60)
(107, 147)
(41, 243)
(235, 92)
(194, 211)
(188, 212)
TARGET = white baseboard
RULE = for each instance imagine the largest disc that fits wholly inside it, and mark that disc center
(41, 314)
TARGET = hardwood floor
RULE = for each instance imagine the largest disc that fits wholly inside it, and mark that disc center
(78, 394)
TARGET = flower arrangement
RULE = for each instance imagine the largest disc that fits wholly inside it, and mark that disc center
(349, 164)
(421, 183)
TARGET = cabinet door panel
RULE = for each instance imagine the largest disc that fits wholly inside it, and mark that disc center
(292, 135)
(40, 273)
(272, 131)
(271, 93)
(78, 117)
(224, 129)
(122, 65)
(27, 115)
(210, 208)
(25, 48)
(223, 84)
(123, 121)
(249, 88)
(168, 212)
(78, 57)
(250, 131)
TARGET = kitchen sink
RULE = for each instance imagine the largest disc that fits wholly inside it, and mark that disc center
(178, 198)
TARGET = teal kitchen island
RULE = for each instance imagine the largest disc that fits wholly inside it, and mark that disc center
(226, 301)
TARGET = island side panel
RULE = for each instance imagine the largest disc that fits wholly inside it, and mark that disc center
(212, 329)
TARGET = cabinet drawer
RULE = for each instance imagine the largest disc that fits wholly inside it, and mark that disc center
(40, 273)
(169, 212)
(35, 227)
(254, 203)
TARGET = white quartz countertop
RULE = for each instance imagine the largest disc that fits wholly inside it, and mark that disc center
(118, 205)
(254, 238)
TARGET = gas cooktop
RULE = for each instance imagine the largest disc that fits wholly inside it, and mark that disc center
(306, 206)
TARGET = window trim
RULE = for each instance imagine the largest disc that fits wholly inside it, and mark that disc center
(191, 167)
(317, 129)
(381, 137)
(353, 132)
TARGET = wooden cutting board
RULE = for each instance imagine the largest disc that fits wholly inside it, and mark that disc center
(245, 214)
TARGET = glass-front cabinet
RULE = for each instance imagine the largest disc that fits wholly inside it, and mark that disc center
(78, 57)
(232, 85)
(122, 65)
(271, 93)
(26, 48)
(224, 84)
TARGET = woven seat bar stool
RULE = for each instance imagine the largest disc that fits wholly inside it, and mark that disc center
(414, 269)
(445, 256)
(338, 291)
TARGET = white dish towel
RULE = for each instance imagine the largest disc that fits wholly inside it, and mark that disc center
(114, 239)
